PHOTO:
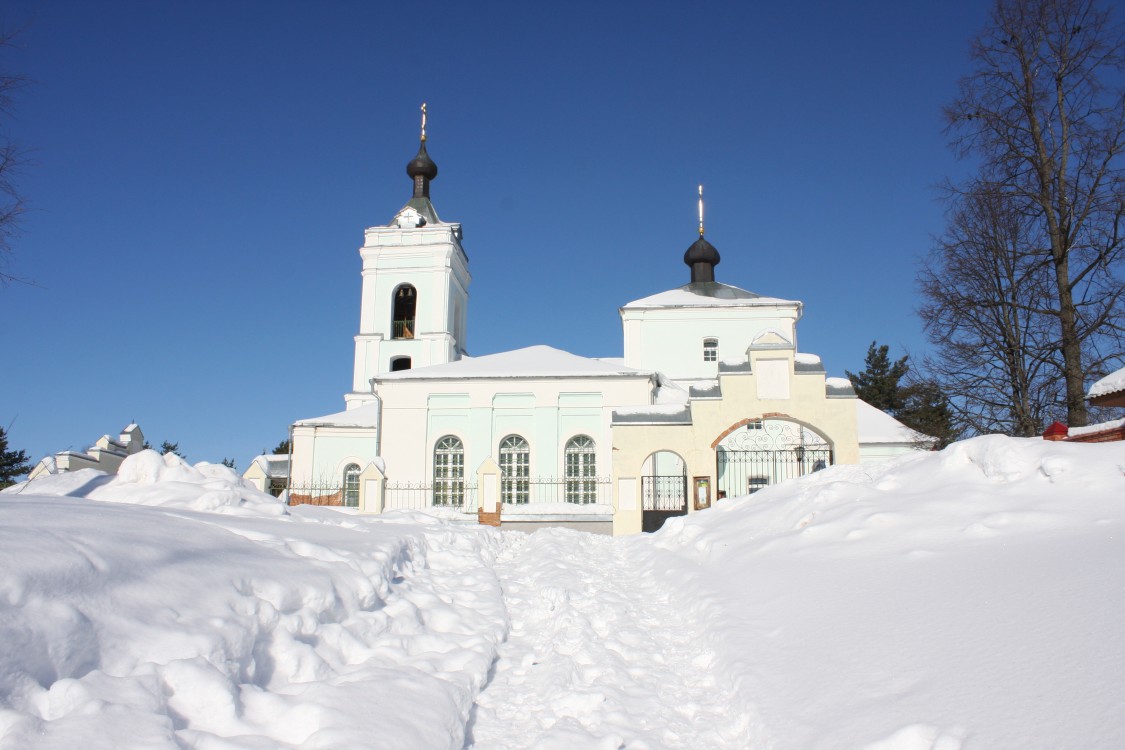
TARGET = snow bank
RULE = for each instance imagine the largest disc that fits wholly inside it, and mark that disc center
(968, 598)
(149, 478)
(971, 598)
(145, 623)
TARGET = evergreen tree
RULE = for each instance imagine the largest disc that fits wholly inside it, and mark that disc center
(12, 463)
(168, 447)
(229, 463)
(925, 408)
(878, 384)
(282, 448)
(921, 405)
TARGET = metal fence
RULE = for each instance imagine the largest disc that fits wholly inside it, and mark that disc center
(666, 493)
(316, 494)
(746, 472)
(464, 496)
(403, 329)
(583, 491)
(420, 495)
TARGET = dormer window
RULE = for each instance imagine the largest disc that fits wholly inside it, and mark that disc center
(405, 303)
(710, 350)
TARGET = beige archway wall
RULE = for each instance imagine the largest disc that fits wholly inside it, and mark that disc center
(712, 419)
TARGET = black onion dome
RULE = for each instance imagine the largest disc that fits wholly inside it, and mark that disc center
(701, 251)
(702, 257)
(422, 165)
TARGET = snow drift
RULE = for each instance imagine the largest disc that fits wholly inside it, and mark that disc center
(971, 598)
(967, 598)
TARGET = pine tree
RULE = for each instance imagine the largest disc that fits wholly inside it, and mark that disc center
(229, 463)
(925, 408)
(282, 448)
(878, 384)
(921, 405)
(12, 463)
(168, 447)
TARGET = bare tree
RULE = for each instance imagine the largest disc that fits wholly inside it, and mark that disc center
(11, 159)
(984, 287)
(1044, 112)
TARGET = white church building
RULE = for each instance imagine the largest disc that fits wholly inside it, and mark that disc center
(711, 399)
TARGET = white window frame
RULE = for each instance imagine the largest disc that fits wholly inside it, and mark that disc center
(580, 469)
(515, 470)
(351, 486)
(449, 471)
(710, 349)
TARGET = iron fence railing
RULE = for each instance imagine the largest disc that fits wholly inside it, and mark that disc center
(666, 492)
(455, 495)
(574, 490)
(464, 496)
(403, 329)
(316, 494)
(746, 472)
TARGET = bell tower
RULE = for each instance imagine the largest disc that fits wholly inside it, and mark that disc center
(415, 287)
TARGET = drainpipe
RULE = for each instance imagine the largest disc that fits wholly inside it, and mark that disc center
(289, 467)
(378, 421)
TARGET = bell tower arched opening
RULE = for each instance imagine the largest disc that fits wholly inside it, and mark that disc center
(403, 314)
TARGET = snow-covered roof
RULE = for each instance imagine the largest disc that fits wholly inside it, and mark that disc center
(361, 416)
(1099, 427)
(706, 294)
(803, 362)
(1111, 383)
(530, 362)
(876, 426)
(274, 466)
(838, 388)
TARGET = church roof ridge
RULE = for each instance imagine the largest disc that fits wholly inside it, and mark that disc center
(539, 361)
(706, 294)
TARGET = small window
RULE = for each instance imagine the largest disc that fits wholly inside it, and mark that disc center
(756, 483)
(405, 303)
(515, 468)
(400, 363)
(351, 485)
(755, 424)
(710, 350)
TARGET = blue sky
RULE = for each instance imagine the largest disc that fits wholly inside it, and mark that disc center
(203, 173)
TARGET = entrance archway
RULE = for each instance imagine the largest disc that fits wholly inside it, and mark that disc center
(768, 451)
(663, 489)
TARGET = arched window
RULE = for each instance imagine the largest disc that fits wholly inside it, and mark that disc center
(351, 485)
(402, 320)
(710, 350)
(581, 470)
(400, 363)
(515, 468)
(449, 471)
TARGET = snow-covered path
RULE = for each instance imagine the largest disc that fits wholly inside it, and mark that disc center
(598, 657)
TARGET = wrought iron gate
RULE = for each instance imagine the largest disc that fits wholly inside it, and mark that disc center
(768, 452)
(662, 496)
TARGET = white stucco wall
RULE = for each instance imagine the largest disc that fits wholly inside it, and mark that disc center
(547, 412)
(671, 339)
(321, 453)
